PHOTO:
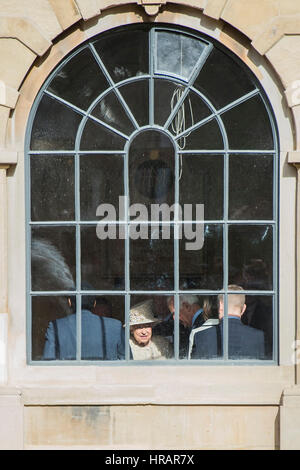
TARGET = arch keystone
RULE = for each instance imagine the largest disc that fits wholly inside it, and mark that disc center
(151, 7)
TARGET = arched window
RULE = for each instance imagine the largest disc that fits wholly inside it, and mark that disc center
(152, 176)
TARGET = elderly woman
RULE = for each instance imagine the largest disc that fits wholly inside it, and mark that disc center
(143, 345)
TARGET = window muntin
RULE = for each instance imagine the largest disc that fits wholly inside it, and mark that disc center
(217, 128)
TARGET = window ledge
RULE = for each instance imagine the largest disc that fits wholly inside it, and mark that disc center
(211, 386)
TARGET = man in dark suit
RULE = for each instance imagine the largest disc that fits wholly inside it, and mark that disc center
(190, 317)
(101, 338)
(244, 342)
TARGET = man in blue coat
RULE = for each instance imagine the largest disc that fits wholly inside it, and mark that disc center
(244, 342)
(102, 338)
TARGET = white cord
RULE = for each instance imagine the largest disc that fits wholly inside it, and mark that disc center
(179, 122)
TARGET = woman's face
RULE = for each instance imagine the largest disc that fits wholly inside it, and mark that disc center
(142, 333)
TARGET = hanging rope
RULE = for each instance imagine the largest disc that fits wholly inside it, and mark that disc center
(179, 122)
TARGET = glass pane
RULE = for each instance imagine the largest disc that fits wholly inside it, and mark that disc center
(177, 54)
(165, 93)
(244, 342)
(259, 315)
(251, 187)
(200, 337)
(201, 257)
(124, 53)
(52, 187)
(111, 111)
(201, 181)
(53, 328)
(251, 256)
(136, 96)
(151, 257)
(100, 267)
(101, 182)
(151, 170)
(206, 137)
(151, 328)
(222, 80)
(80, 81)
(102, 331)
(97, 137)
(53, 258)
(55, 126)
(248, 126)
(192, 111)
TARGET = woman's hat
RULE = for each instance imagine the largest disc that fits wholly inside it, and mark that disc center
(142, 313)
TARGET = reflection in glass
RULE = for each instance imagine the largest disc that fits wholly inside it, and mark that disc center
(151, 257)
(80, 81)
(101, 182)
(100, 267)
(52, 187)
(131, 59)
(201, 182)
(136, 96)
(54, 127)
(206, 137)
(248, 126)
(222, 80)
(102, 332)
(111, 111)
(151, 328)
(251, 256)
(251, 187)
(97, 137)
(201, 257)
(53, 258)
(177, 54)
(259, 315)
(151, 169)
(45, 311)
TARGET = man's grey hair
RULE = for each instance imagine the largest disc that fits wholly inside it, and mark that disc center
(190, 299)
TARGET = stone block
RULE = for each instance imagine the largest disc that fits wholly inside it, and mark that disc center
(11, 421)
(8, 157)
(66, 12)
(16, 59)
(285, 58)
(250, 17)
(195, 427)
(66, 426)
(25, 31)
(8, 96)
(151, 427)
(88, 8)
(275, 30)
(289, 7)
(39, 12)
(290, 420)
(214, 8)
